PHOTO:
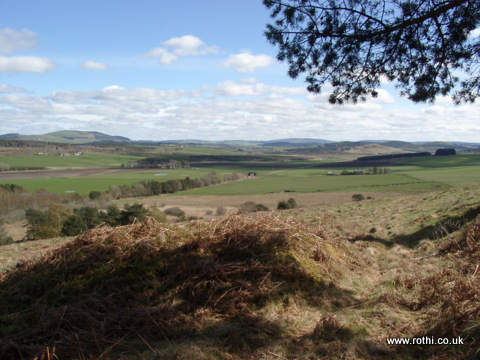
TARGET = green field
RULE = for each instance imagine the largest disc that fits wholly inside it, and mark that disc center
(419, 174)
(85, 184)
(55, 161)
(316, 183)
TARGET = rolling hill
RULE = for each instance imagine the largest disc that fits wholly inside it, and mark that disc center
(68, 136)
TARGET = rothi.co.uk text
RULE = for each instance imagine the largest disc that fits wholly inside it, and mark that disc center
(425, 340)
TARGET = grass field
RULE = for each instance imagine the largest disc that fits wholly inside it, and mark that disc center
(421, 174)
(85, 184)
(54, 161)
(288, 182)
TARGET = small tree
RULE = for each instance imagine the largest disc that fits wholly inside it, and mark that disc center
(358, 197)
(292, 204)
(94, 195)
(35, 220)
(73, 225)
(132, 212)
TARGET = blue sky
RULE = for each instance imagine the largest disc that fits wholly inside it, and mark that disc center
(185, 69)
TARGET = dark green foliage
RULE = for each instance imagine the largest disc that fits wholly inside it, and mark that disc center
(285, 205)
(445, 152)
(282, 205)
(73, 225)
(422, 45)
(131, 213)
(35, 220)
(292, 204)
(358, 197)
(113, 216)
(90, 216)
(94, 195)
(393, 156)
(12, 188)
(261, 207)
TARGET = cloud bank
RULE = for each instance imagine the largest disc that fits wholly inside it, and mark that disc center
(246, 109)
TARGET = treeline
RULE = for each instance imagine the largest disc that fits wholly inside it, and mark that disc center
(153, 187)
(14, 197)
(61, 220)
(393, 156)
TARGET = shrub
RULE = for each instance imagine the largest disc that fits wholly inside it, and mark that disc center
(358, 197)
(132, 212)
(94, 195)
(292, 204)
(221, 211)
(157, 214)
(248, 206)
(174, 211)
(289, 204)
(4, 238)
(90, 216)
(282, 205)
(261, 207)
(73, 225)
(35, 219)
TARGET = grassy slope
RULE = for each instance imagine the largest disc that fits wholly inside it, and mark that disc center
(308, 283)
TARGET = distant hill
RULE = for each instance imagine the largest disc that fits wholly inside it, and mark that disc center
(68, 136)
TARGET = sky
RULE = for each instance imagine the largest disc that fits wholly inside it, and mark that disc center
(184, 69)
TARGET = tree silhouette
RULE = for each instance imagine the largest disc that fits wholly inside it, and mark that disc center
(427, 46)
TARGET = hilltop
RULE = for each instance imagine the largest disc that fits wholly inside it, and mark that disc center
(70, 137)
(291, 145)
(299, 284)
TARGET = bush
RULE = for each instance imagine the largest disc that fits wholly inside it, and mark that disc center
(35, 220)
(90, 216)
(94, 195)
(248, 206)
(73, 225)
(261, 207)
(358, 197)
(131, 213)
(292, 204)
(4, 238)
(282, 205)
(289, 204)
(157, 214)
(221, 211)
(174, 211)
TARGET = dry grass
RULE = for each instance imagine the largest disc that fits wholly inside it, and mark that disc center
(259, 286)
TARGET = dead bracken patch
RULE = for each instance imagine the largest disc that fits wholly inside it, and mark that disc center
(148, 281)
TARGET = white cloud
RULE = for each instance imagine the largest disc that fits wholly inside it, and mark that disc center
(247, 109)
(25, 64)
(164, 57)
(247, 63)
(94, 65)
(12, 40)
(251, 87)
(10, 89)
(187, 45)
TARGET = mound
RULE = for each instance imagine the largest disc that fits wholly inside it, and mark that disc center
(146, 281)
